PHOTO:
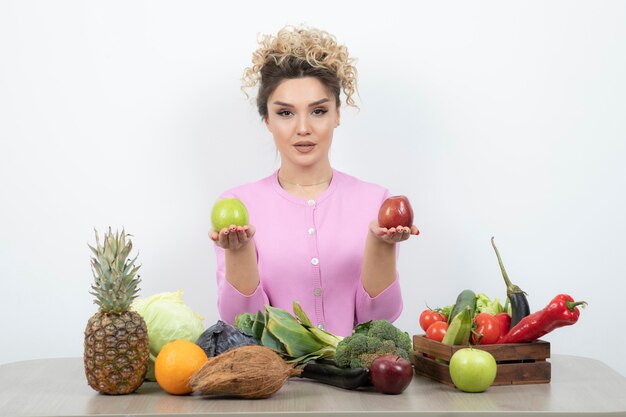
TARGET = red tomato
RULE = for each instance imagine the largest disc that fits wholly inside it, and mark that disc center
(437, 331)
(488, 326)
(428, 317)
(505, 323)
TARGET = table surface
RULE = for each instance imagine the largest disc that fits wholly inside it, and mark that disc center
(57, 387)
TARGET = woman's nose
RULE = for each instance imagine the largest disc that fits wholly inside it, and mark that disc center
(303, 128)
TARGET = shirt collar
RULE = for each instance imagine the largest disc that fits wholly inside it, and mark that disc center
(334, 183)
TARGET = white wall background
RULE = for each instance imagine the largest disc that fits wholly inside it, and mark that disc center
(495, 118)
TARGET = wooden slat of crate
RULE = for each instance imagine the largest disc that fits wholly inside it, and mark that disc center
(518, 363)
(429, 368)
(507, 374)
(534, 351)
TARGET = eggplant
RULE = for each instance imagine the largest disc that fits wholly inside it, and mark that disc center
(517, 297)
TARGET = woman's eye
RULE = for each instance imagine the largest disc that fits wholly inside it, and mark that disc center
(320, 112)
(284, 113)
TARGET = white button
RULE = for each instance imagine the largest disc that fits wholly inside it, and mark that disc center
(311, 231)
(315, 261)
(321, 326)
(311, 202)
(317, 292)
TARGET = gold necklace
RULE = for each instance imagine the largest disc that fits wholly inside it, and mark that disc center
(305, 185)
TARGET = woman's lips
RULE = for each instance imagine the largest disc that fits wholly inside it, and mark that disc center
(304, 147)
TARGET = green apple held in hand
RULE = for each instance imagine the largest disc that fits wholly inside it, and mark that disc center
(472, 370)
(227, 211)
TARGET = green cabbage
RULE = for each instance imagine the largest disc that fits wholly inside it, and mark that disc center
(168, 319)
(485, 305)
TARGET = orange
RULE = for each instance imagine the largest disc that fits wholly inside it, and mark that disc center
(175, 365)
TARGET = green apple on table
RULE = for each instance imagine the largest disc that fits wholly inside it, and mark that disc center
(472, 370)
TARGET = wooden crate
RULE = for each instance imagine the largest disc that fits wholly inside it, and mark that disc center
(518, 363)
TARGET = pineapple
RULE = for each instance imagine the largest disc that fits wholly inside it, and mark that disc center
(116, 338)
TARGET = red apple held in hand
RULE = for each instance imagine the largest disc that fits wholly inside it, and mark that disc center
(395, 211)
(391, 374)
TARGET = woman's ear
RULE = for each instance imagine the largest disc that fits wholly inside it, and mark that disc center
(267, 123)
(338, 118)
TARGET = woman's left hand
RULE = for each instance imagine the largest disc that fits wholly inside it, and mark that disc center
(393, 235)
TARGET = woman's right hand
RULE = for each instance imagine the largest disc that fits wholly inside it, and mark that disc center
(233, 237)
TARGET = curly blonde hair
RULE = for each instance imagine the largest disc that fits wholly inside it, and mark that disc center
(297, 52)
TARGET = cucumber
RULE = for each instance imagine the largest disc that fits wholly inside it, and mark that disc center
(466, 298)
(460, 320)
(460, 328)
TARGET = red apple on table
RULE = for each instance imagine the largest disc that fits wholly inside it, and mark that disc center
(395, 211)
(391, 374)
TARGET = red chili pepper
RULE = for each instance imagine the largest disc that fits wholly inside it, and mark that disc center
(505, 323)
(561, 311)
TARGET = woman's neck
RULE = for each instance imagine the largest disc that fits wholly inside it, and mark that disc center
(305, 184)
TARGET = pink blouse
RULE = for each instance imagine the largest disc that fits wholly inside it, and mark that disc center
(311, 251)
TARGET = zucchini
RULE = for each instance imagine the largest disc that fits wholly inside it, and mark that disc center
(466, 298)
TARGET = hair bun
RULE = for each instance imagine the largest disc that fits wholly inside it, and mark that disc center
(317, 47)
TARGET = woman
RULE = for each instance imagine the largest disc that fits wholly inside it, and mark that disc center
(312, 237)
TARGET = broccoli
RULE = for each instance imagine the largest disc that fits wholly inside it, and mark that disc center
(370, 340)
(384, 330)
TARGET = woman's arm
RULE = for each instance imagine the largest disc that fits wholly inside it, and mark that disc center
(379, 260)
(242, 271)
(236, 292)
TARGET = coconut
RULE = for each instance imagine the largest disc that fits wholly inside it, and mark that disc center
(245, 372)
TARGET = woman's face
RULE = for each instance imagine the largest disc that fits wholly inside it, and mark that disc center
(302, 116)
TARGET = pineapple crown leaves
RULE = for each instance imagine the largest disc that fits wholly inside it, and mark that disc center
(115, 285)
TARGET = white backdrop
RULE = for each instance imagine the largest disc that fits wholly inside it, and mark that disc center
(495, 118)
